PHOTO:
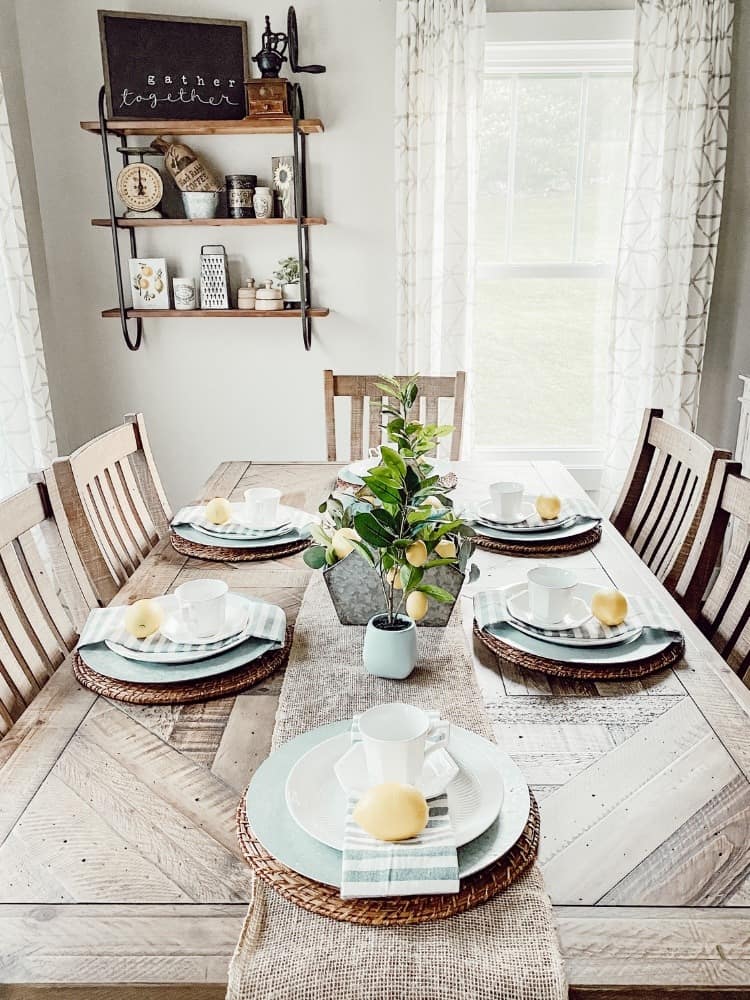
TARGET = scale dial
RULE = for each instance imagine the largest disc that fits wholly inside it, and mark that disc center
(140, 187)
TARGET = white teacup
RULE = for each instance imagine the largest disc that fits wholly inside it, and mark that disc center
(262, 506)
(395, 739)
(506, 500)
(551, 593)
(203, 606)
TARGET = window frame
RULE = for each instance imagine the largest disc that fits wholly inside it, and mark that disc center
(580, 44)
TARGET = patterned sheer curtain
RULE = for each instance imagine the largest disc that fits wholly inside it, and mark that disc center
(439, 73)
(27, 432)
(670, 227)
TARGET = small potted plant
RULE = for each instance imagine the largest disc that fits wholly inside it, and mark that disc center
(396, 530)
(287, 275)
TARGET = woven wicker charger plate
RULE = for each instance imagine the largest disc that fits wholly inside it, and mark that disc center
(617, 672)
(221, 553)
(564, 547)
(206, 689)
(326, 901)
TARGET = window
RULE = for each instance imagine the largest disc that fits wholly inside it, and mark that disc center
(552, 172)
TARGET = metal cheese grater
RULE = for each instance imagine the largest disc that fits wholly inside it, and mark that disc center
(214, 277)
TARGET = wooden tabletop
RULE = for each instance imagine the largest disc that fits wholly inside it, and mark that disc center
(119, 863)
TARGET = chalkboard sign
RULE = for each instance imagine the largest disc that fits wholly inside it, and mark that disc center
(157, 66)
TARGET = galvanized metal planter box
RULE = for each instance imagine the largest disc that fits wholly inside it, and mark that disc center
(357, 594)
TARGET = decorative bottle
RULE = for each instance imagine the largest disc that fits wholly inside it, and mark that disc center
(189, 171)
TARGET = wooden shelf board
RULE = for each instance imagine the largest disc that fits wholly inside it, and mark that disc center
(220, 313)
(242, 126)
(123, 223)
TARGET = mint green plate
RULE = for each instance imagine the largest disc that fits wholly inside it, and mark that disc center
(542, 536)
(273, 825)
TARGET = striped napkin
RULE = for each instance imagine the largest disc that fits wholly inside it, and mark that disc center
(579, 507)
(490, 608)
(428, 863)
(265, 621)
(236, 528)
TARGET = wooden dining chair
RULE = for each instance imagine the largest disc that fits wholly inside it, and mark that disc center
(111, 496)
(44, 598)
(719, 602)
(364, 394)
(661, 503)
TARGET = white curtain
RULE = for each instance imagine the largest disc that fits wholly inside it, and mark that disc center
(27, 432)
(439, 72)
(670, 226)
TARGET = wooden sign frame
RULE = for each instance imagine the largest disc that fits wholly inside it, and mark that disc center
(175, 108)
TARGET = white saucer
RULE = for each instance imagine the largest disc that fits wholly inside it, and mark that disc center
(518, 605)
(238, 610)
(487, 513)
(438, 772)
(317, 802)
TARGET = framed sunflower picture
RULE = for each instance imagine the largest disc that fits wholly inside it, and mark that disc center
(282, 179)
(149, 282)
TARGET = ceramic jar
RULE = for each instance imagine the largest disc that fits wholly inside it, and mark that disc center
(184, 293)
(263, 203)
(268, 298)
(246, 295)
(390, 653)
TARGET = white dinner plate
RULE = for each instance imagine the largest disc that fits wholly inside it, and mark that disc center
(519, 607)
(318, 803)
(438, 772)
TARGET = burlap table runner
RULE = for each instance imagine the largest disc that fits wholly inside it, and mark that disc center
(506, 948)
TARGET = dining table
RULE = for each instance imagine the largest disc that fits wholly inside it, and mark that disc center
(120, 867)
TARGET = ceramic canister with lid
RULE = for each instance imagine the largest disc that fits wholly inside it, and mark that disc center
(268, 298)
(240, 192)
(246, 295)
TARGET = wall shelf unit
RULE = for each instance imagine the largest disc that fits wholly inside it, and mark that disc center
(295, 125)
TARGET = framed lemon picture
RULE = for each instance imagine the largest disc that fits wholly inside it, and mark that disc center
(149, 282)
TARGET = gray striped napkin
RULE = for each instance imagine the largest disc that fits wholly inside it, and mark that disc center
(196, 516)
(428, 863)
(490, 608)
(580, 507)
(265, 621)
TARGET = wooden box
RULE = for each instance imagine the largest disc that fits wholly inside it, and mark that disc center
(267, 98)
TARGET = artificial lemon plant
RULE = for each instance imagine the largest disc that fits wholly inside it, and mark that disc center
(401, 521)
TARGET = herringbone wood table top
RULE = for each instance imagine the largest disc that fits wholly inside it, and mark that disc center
(119, 863)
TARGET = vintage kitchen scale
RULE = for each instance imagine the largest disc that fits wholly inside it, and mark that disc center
(139, 186)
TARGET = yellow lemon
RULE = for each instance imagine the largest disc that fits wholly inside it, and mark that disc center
(394, 576)
(392, 811)
(416, 605)
(432, 502)
(548, 507)
(218, 510)
(446, 549)
(146, 269)
(143, 618)
(609, 606)
(416, 554)
(342, 545)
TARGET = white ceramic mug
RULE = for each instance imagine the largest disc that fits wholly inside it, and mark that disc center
(184, 293)
(506, 500)
(551, 593)
(262, 506)
(203, 606)
(396, 739)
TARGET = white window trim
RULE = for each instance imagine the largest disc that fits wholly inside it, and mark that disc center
(588, 43)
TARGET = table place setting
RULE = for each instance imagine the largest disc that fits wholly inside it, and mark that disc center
(202, 641)
(260, 528)
(553, 623)
(513, 522)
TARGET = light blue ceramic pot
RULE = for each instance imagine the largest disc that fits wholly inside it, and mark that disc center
(390, 652)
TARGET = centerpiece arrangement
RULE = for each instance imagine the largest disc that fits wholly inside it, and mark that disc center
(394, 553)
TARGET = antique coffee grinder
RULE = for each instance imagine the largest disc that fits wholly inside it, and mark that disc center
(268, 97)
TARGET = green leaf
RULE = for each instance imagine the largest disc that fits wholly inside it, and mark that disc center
(386, 494)
(411, 577)
(439, 562)
(435, 592)
(363, 551)
(371, 531)
(420, 515)
(394, 461)
(315, 556)
(319, 535)
(331, 557)
(386, 519)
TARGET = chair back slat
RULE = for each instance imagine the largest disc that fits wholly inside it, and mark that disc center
(664, 495)
(37, 625)
(115, 509)
(363, 392)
